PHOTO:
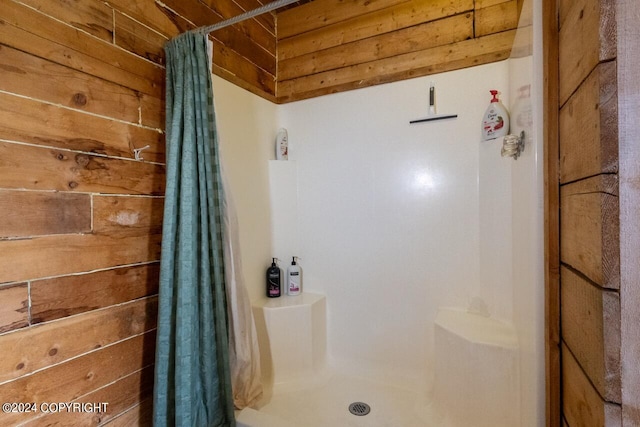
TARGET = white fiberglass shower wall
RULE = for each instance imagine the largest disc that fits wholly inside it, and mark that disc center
(392, 221)
(388, 213)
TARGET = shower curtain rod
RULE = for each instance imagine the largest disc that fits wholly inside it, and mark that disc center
(243, 16)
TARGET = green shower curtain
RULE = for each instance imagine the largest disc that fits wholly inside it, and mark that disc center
(192, 380)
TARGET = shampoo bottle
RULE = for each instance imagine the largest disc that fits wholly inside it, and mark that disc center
(496, 119)
(274, 280)
(294, 278)
(282, 144)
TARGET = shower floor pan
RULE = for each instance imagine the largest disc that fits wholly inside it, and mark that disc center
(476, 374)
(327, 404)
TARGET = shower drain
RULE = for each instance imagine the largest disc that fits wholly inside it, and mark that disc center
(359, 408)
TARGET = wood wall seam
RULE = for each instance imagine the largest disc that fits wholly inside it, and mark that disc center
(587, 37)
(127, 391)
(405, 15)
(590, 229)
(458, 55)
(419, 37)
(588, 126)
(591, 329)
(582, 405)
(73, 378)
(54, 342)
(30, 121)
(314, 15)
(30, 75)
(14, 311)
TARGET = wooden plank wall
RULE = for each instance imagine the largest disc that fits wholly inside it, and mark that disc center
(589, 214)
(553, 363)
(329, 46)
(81, 85)
(628, 78)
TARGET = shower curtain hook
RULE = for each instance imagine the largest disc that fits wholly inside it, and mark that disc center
(137, 152)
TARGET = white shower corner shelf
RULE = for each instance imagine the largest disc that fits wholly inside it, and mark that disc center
(434, 118)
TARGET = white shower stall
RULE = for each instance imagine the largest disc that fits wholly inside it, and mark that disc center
(421, 248)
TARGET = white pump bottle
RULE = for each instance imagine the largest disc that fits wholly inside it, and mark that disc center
(495, 123)
(294, 278)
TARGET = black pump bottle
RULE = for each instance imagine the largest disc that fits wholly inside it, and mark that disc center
(274, 280)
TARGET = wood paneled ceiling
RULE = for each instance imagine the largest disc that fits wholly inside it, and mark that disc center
(313, 48)
(328, 46)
